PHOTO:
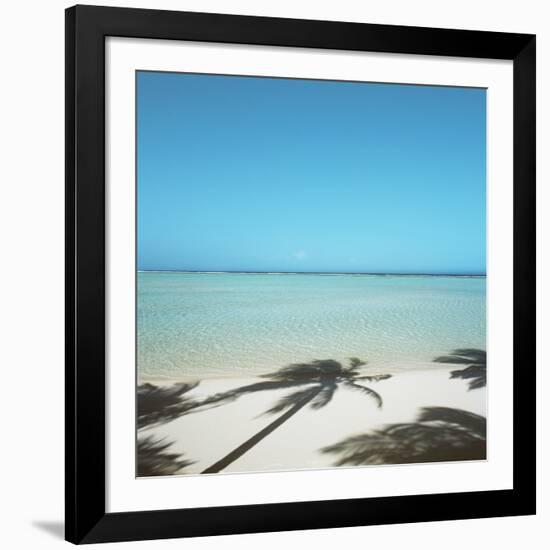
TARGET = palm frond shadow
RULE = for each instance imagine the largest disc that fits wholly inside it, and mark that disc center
(476, 369)
(317, 380)
(160, 404)
(439, 434)
(153, 458)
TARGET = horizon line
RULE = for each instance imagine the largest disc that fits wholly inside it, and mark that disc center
(246, 272)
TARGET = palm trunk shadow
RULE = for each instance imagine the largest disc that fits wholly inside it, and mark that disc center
(255, 439)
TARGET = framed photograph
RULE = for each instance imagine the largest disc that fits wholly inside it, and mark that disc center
(300, 274)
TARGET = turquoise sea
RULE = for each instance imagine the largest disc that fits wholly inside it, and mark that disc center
(212, 324)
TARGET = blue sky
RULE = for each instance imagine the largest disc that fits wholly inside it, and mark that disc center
(264, 174)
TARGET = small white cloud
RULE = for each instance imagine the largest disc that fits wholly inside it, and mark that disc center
(299, 254)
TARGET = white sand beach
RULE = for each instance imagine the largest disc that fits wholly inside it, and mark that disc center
(206, 436)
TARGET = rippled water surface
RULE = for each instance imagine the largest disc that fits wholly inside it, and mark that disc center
(192, 324)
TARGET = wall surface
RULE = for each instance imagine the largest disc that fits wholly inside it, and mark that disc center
(31, 293)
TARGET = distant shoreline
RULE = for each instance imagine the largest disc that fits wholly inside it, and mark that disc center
(325, 273)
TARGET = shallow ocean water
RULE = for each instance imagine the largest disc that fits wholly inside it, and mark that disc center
(218, 324)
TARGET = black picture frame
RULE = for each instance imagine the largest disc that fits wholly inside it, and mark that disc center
(86, 30)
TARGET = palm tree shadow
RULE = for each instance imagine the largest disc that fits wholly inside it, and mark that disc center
(154, 460)
(158, 405)
(440, 434)
(161, 404)
(476, 370)
(315, 384)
